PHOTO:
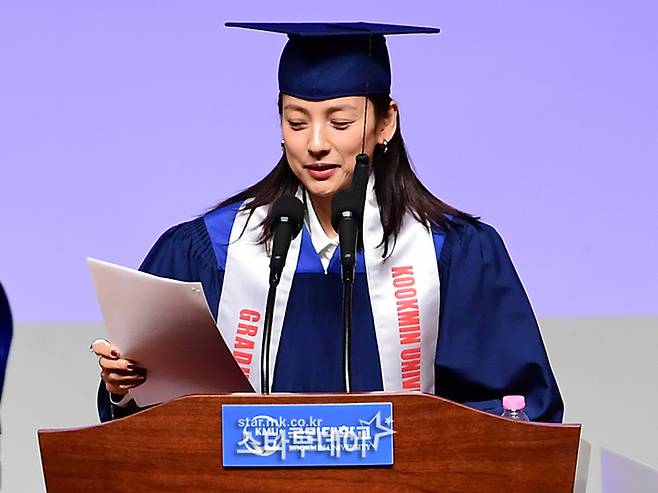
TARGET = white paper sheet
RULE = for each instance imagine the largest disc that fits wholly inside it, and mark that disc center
(166, 327)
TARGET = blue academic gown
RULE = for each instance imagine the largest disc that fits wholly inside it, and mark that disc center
(5, 335)
(489, 342)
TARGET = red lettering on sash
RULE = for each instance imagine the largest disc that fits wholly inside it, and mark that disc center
(408, 325)
(242, 357)
(243, 343)
(408, 318)
(248, 330)
(403, 282)
(410, 337)
(411, 365)
(407, 270)
(407, 305)
(243, 347)
(410, 354)
(249, 315)
(405, 293)
(411, 380)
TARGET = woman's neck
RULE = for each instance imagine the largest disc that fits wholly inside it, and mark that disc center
(322, 207)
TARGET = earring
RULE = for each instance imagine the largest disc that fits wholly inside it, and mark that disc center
(283, 145)
(385, 144)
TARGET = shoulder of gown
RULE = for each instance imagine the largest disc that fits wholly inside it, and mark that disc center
(489, 340)
(183, 252)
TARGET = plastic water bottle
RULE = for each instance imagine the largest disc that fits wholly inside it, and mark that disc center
(513, 406)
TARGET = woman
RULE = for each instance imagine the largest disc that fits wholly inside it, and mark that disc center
(438, 306)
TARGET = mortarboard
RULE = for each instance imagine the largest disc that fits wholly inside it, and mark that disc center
(325, 60)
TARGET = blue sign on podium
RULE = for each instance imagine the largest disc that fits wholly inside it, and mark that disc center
(302, 435)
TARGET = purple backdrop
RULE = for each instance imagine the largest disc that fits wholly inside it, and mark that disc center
(119, 119)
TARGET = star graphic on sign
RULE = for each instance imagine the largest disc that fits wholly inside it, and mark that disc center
(376, 421)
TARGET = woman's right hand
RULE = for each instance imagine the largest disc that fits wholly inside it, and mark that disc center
(119, 375)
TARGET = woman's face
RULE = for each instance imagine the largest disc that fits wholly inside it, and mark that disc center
(323, 138)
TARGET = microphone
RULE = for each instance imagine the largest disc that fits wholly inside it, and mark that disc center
(360, 178)
(360, 188)
(287, 219)
(346, 218)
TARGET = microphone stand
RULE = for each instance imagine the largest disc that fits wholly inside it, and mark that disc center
(345, 219)
(347, 334)
(267, 336)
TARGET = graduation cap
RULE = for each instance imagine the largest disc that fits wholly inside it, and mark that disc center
(325, 60)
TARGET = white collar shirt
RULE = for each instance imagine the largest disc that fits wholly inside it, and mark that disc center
(323, 245)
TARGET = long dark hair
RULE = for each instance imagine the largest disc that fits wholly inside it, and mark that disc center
(397, 187)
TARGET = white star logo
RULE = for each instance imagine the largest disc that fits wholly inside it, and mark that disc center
(384, 431)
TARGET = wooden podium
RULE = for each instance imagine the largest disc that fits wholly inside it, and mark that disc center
(439, 446)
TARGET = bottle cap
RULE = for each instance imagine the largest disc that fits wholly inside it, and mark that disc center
(514, 402)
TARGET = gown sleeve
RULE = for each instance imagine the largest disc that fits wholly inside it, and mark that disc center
(5, 335)
(489, 341)
(185, 253)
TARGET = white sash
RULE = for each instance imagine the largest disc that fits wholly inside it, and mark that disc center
(404, 294)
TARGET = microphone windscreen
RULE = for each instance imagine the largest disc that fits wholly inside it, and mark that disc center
(345, 200)
(361, 174)
(290, 207)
